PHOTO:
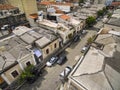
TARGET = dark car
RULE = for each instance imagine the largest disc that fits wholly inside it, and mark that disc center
(77, 38)
(61, 60)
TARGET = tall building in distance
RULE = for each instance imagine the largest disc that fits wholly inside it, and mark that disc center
(26, 6)
(10, 17)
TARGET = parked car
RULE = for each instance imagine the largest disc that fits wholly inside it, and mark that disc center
(84, 49)
(64, 74)
(84, 32)
(77, 38)
(62, 59)
(32, 79)
(52, 61)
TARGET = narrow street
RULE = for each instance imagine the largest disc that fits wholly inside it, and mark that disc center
(50, 79)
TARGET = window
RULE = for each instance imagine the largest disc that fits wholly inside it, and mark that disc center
(47, 51)
(28, 63)
(14, 74)
(55, 45)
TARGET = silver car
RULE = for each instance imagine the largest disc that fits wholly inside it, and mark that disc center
(52, 61)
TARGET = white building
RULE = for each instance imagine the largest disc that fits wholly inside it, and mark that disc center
(66, 32)
(63, 6)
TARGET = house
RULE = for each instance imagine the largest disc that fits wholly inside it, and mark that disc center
(48, 43)
(99, 68)
(64, 31)
(14, 56)
(77, 24)
(42, 42)
(81, 17)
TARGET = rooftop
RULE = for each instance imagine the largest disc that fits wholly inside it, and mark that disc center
(34, 15)
(100, 69)
(57, 27)
(42, 42)
(65, 17)
(55, 3)
(20, 30)
(38, 34)
(114, 21)
(74, 21)
(115, 18)
(48, 23)
(117, 11)
(115, 3)
(11, 50)
(28, 38)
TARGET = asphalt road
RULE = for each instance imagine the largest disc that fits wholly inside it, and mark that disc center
(50, 79)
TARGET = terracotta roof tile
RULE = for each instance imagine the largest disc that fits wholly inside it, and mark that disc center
(34, 15)
(59, 11)
(65, 17)
(45, 3)
(115, 3)
(55, 3)
(55, 7)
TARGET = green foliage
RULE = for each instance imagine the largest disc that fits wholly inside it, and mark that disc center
(91, 39)
(100, 13)
(81, 1)
(109, 15)
(90, 20)
(26, 74)
(104, 10)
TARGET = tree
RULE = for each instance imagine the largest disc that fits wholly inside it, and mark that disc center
(100, 13)
(26, 74)
(90, 21)
(81, 1)
(91, 39)
(109, 15)
(104, 10)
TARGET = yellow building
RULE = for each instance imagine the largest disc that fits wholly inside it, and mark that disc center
(26, 6)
